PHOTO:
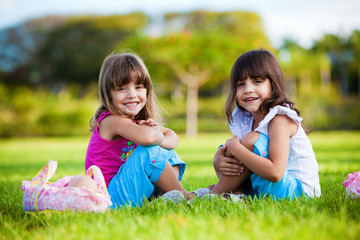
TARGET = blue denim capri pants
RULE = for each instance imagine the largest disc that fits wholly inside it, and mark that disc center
(287, 187)
(135, 180)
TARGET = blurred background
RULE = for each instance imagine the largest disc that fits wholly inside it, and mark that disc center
(51, 53)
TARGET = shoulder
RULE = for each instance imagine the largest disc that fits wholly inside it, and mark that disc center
(283, 123)
(276, 111)
(286, 111)
(115, 120)
(113, 126)
(281, 119)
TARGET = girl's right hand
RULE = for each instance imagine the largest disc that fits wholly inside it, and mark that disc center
(147, 133)
(227, 165)
(170, 140)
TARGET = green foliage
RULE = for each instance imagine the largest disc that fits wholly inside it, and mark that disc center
(211, 117)
(27, 112)
(202, 41)
(52, 54)
(332, 216)
(74, 52)
(343, 54)
(40, 112)
(20, 43)
(200, 51)
(323, 108)
(70, 51)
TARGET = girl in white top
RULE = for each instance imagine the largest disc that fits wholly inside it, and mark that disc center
(274, 151)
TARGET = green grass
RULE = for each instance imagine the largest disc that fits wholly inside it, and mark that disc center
(332, 216)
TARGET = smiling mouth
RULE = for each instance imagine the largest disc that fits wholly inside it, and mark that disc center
(250, 99)
(131, 104)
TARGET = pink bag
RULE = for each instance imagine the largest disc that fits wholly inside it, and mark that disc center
(43, 195)
(352, 184)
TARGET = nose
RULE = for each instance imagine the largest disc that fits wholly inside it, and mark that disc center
(131, 92)
(249, 87)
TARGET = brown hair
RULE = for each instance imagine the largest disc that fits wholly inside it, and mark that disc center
(119, 69)
(259, 64)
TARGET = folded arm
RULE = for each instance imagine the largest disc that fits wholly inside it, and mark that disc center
(170, 140)
(281, 128)
(114, 127)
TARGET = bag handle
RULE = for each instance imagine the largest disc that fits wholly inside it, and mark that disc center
(42, 178)
(95, 172)
(45, 173)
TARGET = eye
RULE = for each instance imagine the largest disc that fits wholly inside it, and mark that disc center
(258, 80)
(240, 83)
(121, 89)
(139, 86)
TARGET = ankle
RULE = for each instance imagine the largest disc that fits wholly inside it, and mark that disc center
(188, 195)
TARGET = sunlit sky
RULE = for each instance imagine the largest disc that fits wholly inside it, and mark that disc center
(301, 20)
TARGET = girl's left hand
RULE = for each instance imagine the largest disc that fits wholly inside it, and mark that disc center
(150, 122)
(226, 165)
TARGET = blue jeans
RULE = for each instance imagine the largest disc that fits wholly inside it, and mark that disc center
(135, 180)
(287, 187)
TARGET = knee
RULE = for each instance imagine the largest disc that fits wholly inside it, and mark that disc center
(145, 152)
(249, 139)
(83, 182)
(141, 156)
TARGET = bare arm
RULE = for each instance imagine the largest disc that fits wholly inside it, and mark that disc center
(113, 127)
(281, 128)
(171, 140)
(225, 164)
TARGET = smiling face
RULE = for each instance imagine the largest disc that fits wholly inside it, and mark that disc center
(129, 98)
(251, 93)
(125, 87)
(266, 88)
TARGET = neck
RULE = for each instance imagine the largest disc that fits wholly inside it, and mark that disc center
(257, 119)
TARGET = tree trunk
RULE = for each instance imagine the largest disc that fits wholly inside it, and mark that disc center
(344, 85)
(177, 91)
(358, 78)
(193, 79)
(192, 109)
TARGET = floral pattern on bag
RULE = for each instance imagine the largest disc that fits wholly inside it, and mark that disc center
(352, 185)
(40, 194)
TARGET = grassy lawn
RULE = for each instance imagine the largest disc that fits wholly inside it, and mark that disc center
(332, 216)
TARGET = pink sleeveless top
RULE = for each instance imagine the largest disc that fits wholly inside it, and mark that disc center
(109, 156)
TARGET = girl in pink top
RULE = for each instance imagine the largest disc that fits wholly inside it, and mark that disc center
(132, 150)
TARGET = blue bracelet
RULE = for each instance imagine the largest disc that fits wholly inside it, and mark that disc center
(220, 146)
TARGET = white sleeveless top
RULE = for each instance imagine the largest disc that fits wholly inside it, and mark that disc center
(302, 163)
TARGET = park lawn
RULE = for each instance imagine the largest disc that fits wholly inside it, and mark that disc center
(332, 216)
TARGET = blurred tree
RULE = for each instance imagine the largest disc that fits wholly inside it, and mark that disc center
(19, 43)
(18, 46)
(354, 44)
(72, 52)
(304, 69)
(340, 55)
(201, 49)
